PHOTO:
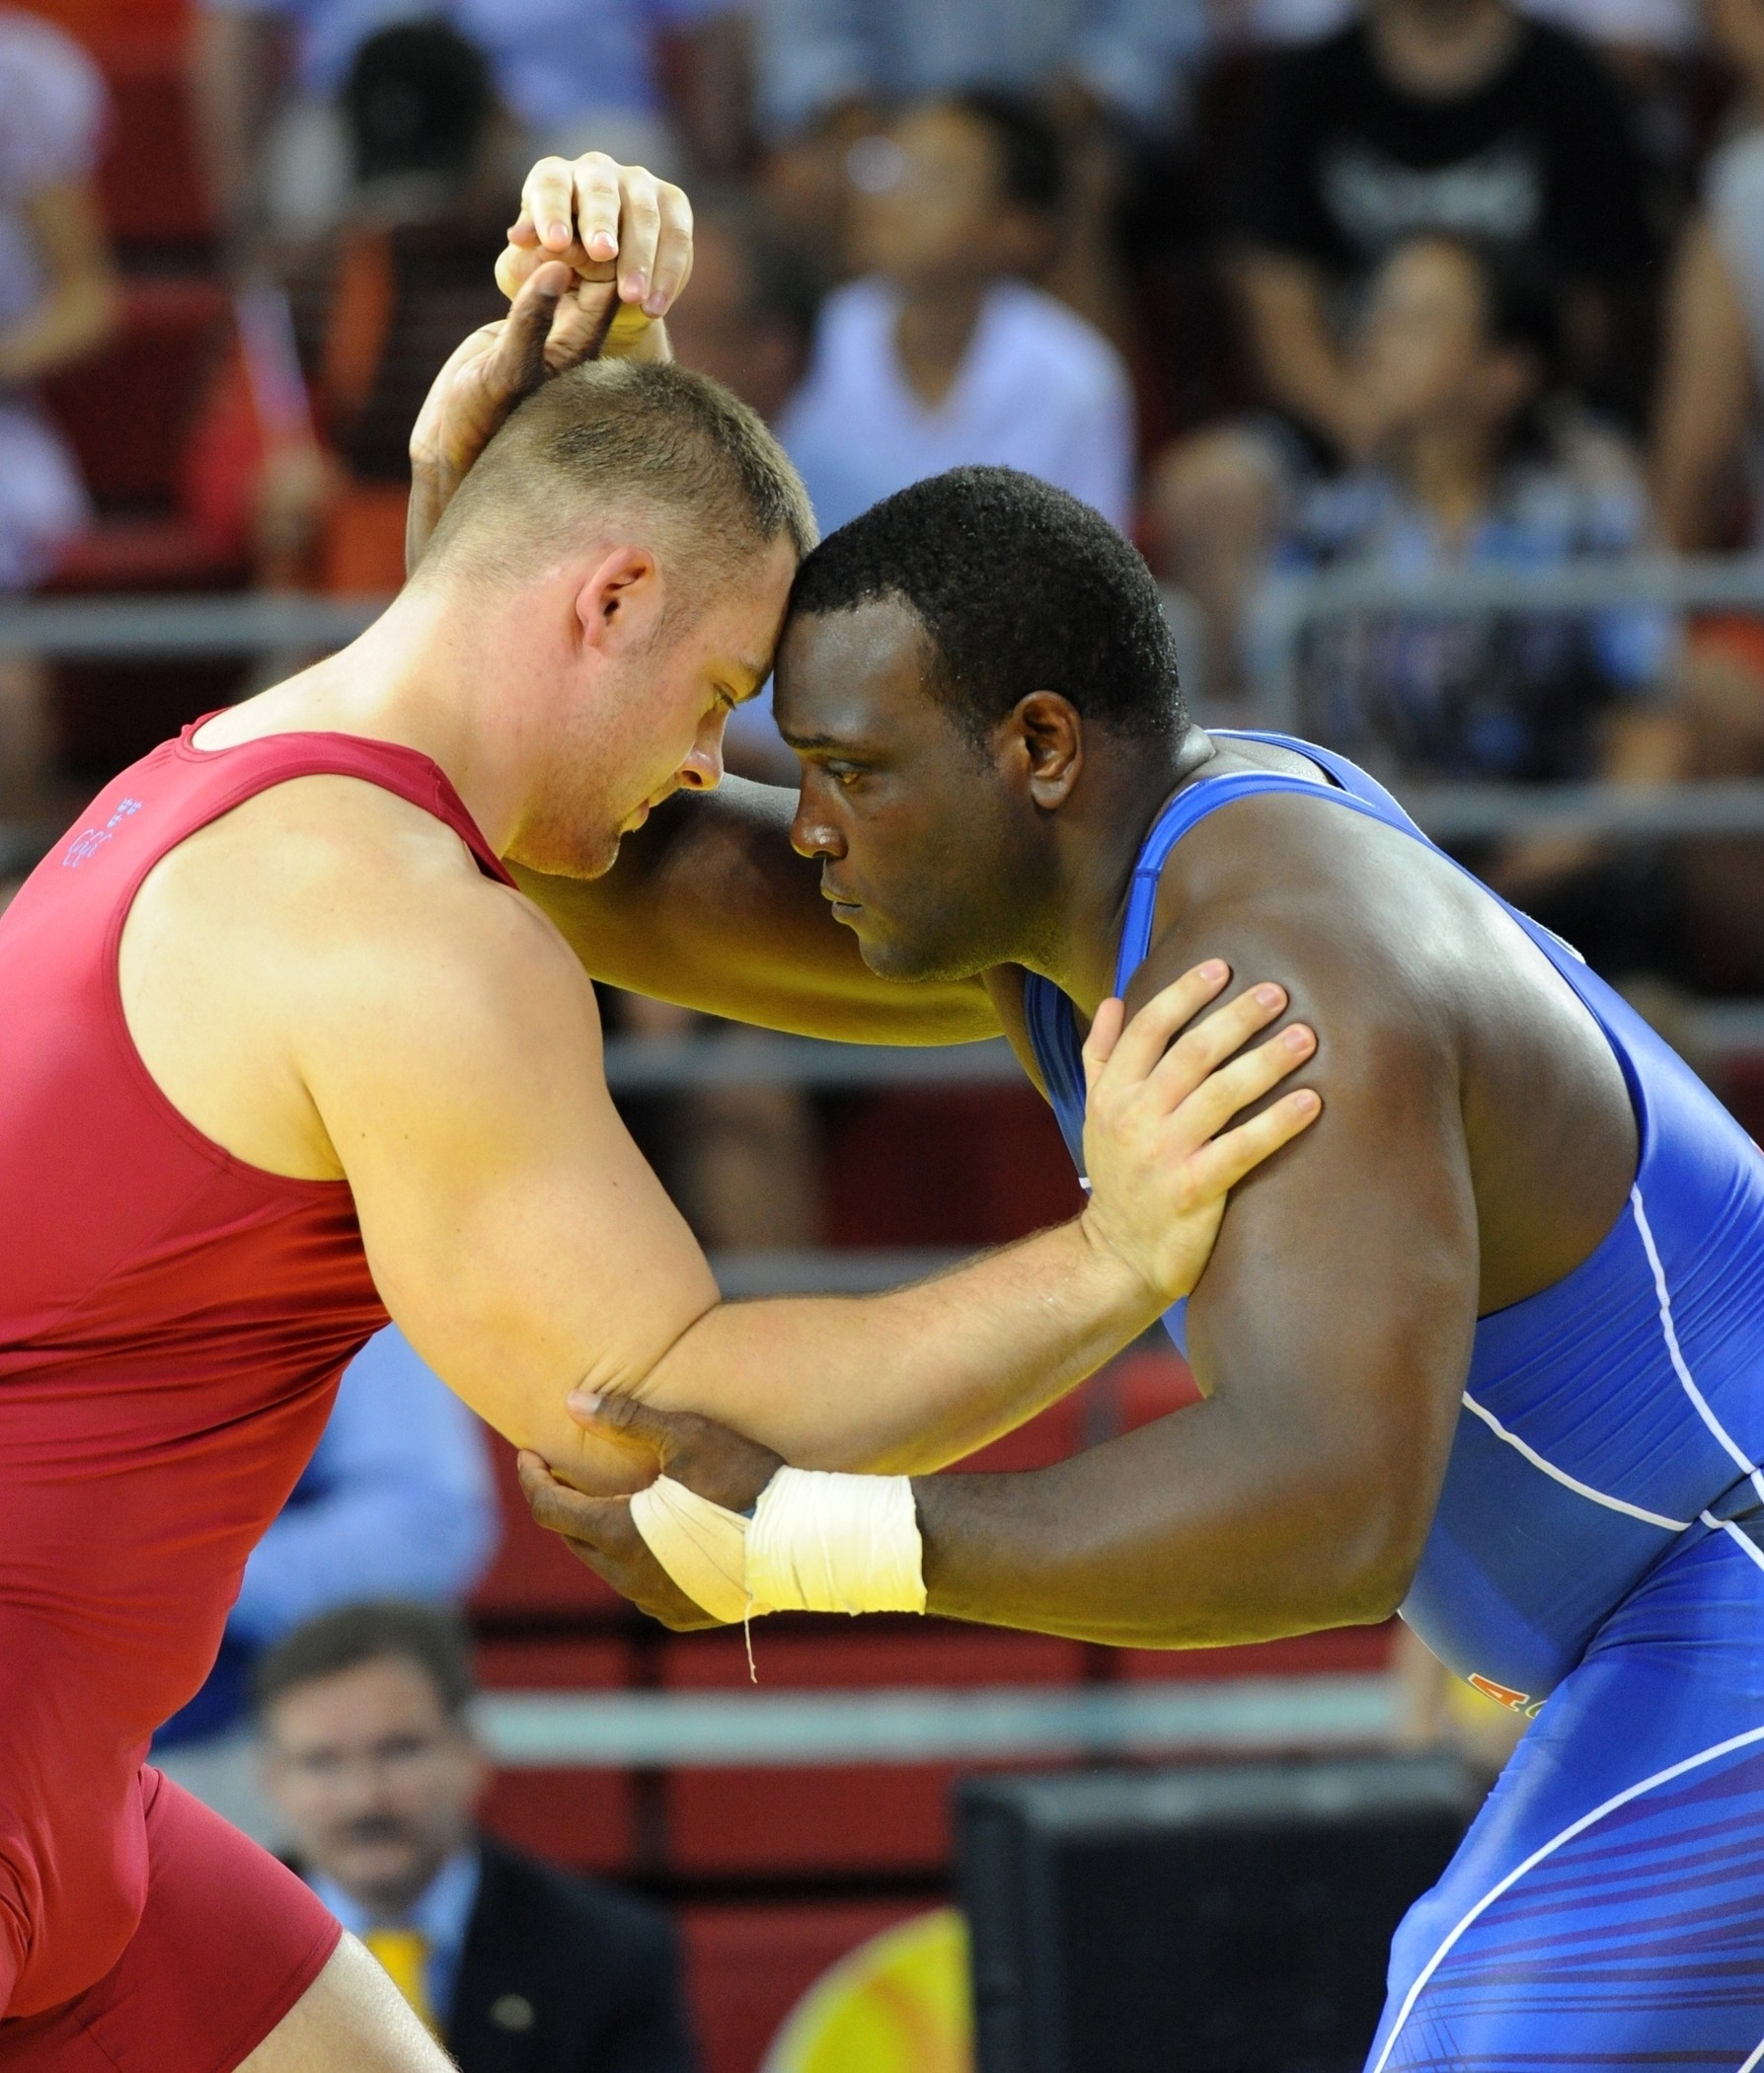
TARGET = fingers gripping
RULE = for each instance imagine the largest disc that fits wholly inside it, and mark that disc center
(1221, 1094)
(1206, 1047)
(1220, 1165)
(594, 184)
(593, 212)
(1147, 1036)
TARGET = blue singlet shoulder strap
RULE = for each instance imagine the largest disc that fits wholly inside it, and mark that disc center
(1199, 800)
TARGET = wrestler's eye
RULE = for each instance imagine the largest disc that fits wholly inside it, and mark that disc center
(843, 774)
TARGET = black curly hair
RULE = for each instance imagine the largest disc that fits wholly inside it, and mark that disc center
(1020, 587)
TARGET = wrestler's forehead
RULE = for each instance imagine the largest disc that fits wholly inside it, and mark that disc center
(847, 673)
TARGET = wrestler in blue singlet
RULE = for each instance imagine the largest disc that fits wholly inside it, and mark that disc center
(1599, 1543)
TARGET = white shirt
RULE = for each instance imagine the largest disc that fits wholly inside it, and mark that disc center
(1039, 389)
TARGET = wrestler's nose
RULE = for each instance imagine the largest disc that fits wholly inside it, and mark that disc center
(702, 770)
(812, 832)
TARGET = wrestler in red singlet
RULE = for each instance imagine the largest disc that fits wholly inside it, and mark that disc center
(173, 1322)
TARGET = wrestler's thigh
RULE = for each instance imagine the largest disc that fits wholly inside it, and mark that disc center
(1607, 1906)
(350, 2020)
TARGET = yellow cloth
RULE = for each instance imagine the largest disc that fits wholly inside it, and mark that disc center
(405, 1955)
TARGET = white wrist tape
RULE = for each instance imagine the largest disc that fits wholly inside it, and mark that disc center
(817, 1543)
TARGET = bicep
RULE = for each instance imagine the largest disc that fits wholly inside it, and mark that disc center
(1339, 1306)
(512, 1228)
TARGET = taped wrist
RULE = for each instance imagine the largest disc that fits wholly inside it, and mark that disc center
(817, 1543)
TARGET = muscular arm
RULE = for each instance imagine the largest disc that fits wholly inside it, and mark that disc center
(710, 906)
(450, 1048)
(1331, 1335)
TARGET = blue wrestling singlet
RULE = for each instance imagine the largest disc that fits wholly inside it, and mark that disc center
(1600, 1541)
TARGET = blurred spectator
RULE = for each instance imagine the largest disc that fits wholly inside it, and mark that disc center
(369, 1755)
(1707, 446)
(944, 353)
(398, 1500)
(1707, 473)
(1621, 28)
(1455, 351)
(748, 318)
(1449, 115)
(819, 57)
(57, 300)
(573, 78)
(380, 303)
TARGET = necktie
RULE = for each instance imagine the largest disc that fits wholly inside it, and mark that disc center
(404, 1953)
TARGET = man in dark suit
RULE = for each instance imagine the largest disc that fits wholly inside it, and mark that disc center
(517, 1967)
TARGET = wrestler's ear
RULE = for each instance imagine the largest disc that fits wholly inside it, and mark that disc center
(619, 599)
(1049, 734)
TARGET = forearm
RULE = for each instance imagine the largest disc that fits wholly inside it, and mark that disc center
(1290, 332)
(70, 323)
(1204, 1529)
(709, 907)
(908, 1381)
(80, 305)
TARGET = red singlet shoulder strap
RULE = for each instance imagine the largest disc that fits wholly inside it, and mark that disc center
(250, 767)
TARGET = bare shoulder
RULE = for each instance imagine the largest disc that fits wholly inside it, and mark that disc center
(326, 926)
(326, 867)
(1357, 920)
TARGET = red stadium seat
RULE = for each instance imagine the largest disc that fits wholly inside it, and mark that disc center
(127, 410)
(580, 1818)
(1054, 1435)
(1150, 1385)
(546, 1662)
(810, 1821)
(151, 179)
(747, 1967)
(95, 21)
(951, 1167)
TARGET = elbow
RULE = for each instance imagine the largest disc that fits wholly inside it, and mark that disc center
(1374, 1550)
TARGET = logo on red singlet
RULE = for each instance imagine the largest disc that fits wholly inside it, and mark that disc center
(89, 841)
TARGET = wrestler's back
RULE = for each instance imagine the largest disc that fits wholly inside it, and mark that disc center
(172, 1325)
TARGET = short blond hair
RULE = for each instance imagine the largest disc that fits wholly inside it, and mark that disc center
(656, 445)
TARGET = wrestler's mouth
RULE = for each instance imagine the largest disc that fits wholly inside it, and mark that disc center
(843, 909)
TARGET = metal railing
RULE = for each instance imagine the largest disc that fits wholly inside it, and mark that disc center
(1289, 605)
(661, 1730)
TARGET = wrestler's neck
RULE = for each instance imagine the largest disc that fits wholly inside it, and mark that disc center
(417, 677)
(1099, 833)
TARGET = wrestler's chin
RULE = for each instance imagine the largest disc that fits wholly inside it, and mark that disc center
(576, 855)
